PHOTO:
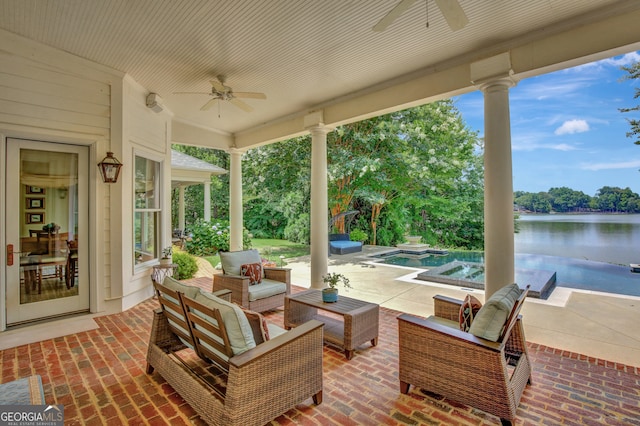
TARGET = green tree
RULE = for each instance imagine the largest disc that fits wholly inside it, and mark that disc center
(422, 161)
(567, 200)
(277, 189)
(536, 203)
(613, 199)
(633, 72)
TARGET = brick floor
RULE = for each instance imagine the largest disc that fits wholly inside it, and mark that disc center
(99, 377)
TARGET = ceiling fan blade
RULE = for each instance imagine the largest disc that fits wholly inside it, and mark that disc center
(217, 85)
(393, 15)
(252, 95)
(191, 93)
(241, 105)
(453, 13)
(209, 104)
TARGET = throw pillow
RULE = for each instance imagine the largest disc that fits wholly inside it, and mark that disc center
(468, 310)
(258, 325)
(253, 271)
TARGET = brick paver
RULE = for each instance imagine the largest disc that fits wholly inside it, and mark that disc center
(99, 376)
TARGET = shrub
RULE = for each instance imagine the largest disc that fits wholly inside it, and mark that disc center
(187, 264)
(358, 235)
(207, 238)
(298, 230)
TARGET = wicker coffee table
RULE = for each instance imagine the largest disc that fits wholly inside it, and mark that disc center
(350, 322)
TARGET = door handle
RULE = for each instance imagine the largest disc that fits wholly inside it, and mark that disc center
(11, 253)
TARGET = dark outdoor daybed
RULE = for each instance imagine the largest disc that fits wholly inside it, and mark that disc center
(341, 244)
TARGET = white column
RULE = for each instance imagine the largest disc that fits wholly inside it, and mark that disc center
(499, 255)
(181, 207)
(235, 200)
(319, 205)
(207, 201)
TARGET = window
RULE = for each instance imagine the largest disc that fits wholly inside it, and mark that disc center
(146, 220)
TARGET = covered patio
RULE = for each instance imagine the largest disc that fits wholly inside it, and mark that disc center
(236, 75)
(578, 377)
(134, 78)
(99, 376)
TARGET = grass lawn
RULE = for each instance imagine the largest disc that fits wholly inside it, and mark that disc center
(272, 250)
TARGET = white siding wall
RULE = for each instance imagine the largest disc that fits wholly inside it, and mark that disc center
(52, 96)
(146, 133)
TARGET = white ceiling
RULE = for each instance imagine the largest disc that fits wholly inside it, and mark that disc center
(301, 53)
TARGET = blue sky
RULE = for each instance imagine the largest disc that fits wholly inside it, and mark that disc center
(566, 129)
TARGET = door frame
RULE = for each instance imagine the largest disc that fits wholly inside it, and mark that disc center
(96, 205)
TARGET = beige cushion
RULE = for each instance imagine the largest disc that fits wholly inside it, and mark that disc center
(187, 290)
(232, 261)
(266, 288)
(491, 318)
(274, 330)
(235, 322)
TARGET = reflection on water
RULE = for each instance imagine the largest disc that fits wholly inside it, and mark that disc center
(604, 238)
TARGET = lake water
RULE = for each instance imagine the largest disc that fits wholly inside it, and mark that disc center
(599, 237)
(590, 252)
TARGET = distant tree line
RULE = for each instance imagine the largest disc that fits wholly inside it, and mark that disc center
(565, 200)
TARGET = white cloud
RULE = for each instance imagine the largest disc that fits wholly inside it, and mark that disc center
(616, 61)
(572, 126)
(534, 147)
(522, 144)
(538, 140)
(562, 147)
(608, 166)
(551, 88)
(624, 60)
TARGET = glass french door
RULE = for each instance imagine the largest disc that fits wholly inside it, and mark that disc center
(46, 230)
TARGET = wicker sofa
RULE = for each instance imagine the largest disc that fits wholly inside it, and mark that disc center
(489, 372)
(268, 294)
(208, 350)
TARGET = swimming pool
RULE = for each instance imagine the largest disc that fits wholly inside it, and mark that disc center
(572, 273)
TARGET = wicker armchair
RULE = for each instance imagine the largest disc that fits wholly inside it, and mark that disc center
(269, 294)
(435, 355)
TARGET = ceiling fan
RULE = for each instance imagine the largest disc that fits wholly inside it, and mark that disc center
(220, 92)
(451, 10)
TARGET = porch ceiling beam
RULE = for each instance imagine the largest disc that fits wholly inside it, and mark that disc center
(189, 134)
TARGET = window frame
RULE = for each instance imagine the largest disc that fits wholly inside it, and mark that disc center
(156, 209)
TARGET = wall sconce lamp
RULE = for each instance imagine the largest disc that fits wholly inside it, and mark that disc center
(110, 168)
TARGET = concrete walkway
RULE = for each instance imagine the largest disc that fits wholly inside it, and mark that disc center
(599, 325)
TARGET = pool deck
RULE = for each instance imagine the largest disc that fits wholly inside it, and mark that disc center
(600, 325)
